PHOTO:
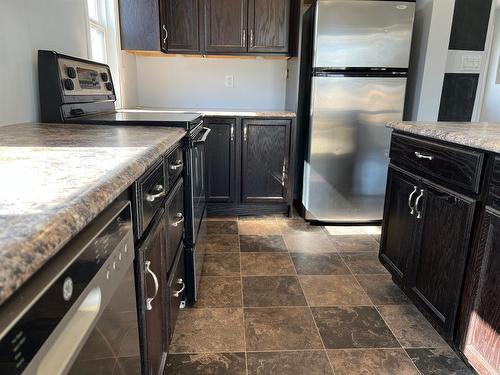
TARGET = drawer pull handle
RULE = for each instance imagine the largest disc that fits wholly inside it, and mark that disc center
(149, 301)
(417, 201)
(180, 221)
(422, 156)
(178, 293)
(159, 192)
(412, 208)
(178, 165)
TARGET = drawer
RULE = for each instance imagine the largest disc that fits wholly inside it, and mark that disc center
(150, 191)
(174, 165)
(175, 288)
(447, 165)
(174, 209)
(494, 188)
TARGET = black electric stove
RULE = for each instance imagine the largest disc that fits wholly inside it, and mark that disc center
(75, 90)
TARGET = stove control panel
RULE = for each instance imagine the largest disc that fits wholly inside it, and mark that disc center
(82, 78)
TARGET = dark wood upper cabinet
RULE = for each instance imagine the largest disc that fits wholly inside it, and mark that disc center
(226, 25)
(399, 219)
(180, 26)
(436, 270)
(268, 26)
(221, 160)
(139, 25)
(265, 160)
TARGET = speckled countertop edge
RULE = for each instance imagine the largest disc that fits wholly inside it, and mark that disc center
(218, 112)
(480, 135)
(20, 258)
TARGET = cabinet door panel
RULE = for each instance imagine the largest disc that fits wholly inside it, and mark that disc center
(225, 25)
(139, 26)
(482, 345)
(399, 222)
(437, 269)
(268, 25)
(265, 160)
(154, 288)
(182, 24)
(221, 156)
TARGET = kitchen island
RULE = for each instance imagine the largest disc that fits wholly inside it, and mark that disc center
(441, 231)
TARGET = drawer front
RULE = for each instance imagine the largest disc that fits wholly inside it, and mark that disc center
(174, 165)
(176, 289)
(494, 189)
(150, 195)
(174, 208)
(451, 166)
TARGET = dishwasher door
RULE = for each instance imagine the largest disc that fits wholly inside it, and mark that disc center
(84, 319)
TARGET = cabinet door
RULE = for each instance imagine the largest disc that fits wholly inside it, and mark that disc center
(221, 157)
(399, 222)
(265, 160)
(268, 25)
(153, 296)
(139, 26)
(436, 271)
(482, 342)
(180, 26)
(226, 25)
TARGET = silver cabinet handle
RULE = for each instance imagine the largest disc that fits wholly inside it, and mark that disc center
(178, 293)
(283, 175)
(205, 136)
(159, 192)
(232, 133)
(244, 37)
(178, 165)
(245, 133)
(147, 268)
(180, 216)
(166, 34)
(417, 201)
(251, 37)
(422, 156)
(412, 208)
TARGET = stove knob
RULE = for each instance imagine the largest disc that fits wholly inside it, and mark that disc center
(71, 72)
(104, 76)
(109, 86)
(68, 84)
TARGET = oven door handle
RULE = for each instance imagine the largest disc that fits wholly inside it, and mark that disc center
(205, 136)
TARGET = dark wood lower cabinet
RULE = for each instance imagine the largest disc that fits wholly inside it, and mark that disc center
(480, 335)
(436, 268)
(249, 165)
(221, 160)
(153, 291)
(399, 222)
(265, 160)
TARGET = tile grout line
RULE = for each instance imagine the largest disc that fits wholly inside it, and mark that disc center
(242, 301)
(311, 313)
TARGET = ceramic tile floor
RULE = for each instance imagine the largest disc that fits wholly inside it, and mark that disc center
(279, 296)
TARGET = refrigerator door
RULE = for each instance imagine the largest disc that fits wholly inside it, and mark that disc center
(346, 166)
(363, 34)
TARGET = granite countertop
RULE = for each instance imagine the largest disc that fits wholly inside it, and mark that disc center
(480, 135)
(219, 112)
(57, 178)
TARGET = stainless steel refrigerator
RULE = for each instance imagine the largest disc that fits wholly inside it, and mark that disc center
(358, 66)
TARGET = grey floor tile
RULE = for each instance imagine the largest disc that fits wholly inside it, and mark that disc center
(257, 244)
(217, 291)
(264, 291)
(222, 243)
(308, 243)
(319, 264)
(259, 227)
(354, 243)
(289, 363)
(333, 290)
(382, 290)
(440, 361)
(205, 364)
(266, 264)
(364, 263)
(222, 227)
(221, 264)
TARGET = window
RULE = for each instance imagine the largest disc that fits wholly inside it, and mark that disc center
(103, 38)
(98, 26)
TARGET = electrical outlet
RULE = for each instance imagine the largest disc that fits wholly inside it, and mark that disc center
(229, 81)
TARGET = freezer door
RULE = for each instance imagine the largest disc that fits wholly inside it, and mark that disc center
(363, 34)
(346, 167)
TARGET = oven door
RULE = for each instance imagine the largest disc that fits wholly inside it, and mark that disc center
(198, 181)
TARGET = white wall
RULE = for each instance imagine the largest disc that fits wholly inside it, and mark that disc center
(25, 27)
(431, 35)
(491, 100)
(195, 82)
